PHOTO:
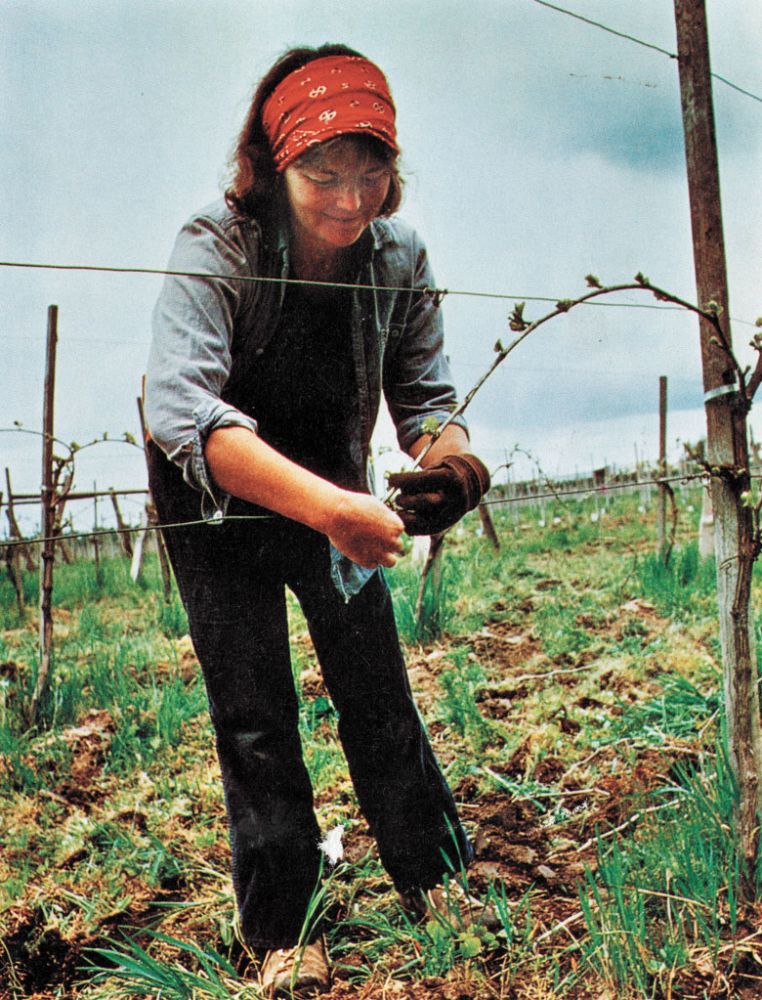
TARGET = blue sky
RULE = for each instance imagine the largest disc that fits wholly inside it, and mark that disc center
(536, 149)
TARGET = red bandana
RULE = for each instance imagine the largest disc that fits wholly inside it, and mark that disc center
(325, 98)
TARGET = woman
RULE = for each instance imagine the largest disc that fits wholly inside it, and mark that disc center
(261, 397)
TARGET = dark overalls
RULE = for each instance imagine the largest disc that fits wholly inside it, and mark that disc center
(232, 579)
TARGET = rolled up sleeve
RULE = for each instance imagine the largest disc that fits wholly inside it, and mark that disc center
(191, 351)
(417, 380)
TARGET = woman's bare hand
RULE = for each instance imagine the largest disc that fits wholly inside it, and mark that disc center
(365, 530)
(359, 525)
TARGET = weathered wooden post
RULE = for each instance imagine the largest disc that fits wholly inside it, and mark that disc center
(125, 538)
(661, 508)
(13, 553)
(24, 550)
(152, 523)
(432, 569)
(48, 505)
(488, 526)
(727, 446)
(96, 538)
(706, 524)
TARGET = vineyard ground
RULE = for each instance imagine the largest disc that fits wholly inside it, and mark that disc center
(571, 687)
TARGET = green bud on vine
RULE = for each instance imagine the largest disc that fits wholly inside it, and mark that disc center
(129, 438)
(499, 347)
(516, 321)
(713, 307)
(642, 279)
(747, 500)
(758, 321)
(593, 281)
(564, 305)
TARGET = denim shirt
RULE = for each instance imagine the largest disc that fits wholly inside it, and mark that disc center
(209, 331)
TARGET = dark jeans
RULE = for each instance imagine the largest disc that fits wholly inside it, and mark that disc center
(232, 580)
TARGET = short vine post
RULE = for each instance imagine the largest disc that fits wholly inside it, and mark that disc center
(48, 503)
(432, 570)
(152, 522)
(488, 526)
(727, 401)
(13, 553)
(122, 528)
(15, 532)
(661, 508)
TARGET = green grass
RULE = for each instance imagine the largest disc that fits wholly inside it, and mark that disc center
(438, 607)
(459, 709)
(668, 890)
(133, 972)
(682, 588)
(678, 712)
(567, 682)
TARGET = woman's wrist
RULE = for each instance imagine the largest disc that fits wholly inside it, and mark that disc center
(328, 508)
(247, 467)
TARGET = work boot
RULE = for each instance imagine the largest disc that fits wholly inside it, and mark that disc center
(298, 972)
(452, 903)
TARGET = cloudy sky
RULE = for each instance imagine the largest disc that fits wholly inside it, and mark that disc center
(536, 148)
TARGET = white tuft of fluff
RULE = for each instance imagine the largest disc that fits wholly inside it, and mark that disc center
(332, 846)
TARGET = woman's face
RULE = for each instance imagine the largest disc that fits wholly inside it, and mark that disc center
(334, 196)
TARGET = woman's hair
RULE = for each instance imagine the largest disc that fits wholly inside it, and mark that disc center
(256, 187)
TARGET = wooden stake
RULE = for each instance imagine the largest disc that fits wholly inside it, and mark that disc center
(727, 447)
(47, 502)
(661, 508)
(96, 536)
(137, 553)
(431, 568)
(706, 525)
(14, 572)
(10, 513)
(13, 553)
(153, 520)
(488, 526)
(124, 532)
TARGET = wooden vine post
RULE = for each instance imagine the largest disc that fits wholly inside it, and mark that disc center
(151, 520)
(125, 539)
(661, 508)
(727, 444)
(14, 553)
(23, 550)
(48, 504)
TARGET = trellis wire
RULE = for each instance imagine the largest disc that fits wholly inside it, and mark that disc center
(437, 294)
(640, 41)
(214, 522)
(590, 490)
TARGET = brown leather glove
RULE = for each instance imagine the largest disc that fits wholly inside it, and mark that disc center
(435, 498)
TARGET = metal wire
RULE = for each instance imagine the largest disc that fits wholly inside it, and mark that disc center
(214, 522)
(603, 488)
(435, 293)
(140, 529)
(640, 41)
